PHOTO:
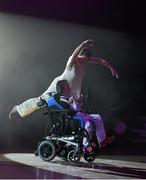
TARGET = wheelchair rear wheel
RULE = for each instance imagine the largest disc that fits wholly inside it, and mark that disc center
(47, 150)
(74, 157)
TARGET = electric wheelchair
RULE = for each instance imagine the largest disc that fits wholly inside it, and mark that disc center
(65, 137)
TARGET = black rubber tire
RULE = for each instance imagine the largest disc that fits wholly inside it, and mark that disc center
(89, 157)
(47, 150)
(76, 159)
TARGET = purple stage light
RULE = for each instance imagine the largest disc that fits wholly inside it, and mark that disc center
(120, 127)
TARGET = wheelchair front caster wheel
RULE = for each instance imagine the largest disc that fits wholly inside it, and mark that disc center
(47, 150)
(90, 156)
(74, 157)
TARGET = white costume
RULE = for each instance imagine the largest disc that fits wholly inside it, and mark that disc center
(73, 75)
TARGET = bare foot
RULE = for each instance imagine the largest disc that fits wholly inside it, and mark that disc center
(13, 112)
(107, 141)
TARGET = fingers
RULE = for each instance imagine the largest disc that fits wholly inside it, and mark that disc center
(89, 42)
(114, 73)
(117, 76)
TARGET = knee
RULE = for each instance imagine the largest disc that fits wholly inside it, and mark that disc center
(99, 121)
(88, 126)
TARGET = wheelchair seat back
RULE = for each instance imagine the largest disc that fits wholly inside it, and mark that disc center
(62, 119)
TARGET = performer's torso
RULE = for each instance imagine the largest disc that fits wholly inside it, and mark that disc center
(74, 76)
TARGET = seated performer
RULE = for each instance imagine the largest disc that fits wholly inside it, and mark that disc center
(89, 119)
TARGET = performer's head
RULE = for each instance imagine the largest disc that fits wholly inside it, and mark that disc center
(86, 52)
(63, 88)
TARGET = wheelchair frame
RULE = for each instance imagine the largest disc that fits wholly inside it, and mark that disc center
(68, 147)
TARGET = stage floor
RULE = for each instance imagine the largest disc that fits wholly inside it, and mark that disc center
(29, 166)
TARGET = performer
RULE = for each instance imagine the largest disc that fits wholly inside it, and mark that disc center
(90, 120)
(73, 73)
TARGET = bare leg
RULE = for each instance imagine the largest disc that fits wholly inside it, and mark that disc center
(13, 112)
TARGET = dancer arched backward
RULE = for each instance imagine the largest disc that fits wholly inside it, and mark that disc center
(73, 73)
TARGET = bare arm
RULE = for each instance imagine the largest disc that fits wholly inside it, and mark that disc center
(96, 60)
(87, 43)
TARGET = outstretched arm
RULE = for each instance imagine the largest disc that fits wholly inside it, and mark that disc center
(87, 43)
(95, 60)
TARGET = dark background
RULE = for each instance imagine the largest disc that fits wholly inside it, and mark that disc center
(123, 14)
(36, 39)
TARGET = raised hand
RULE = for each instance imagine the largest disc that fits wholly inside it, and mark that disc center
(114, 72)
(89, 43)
